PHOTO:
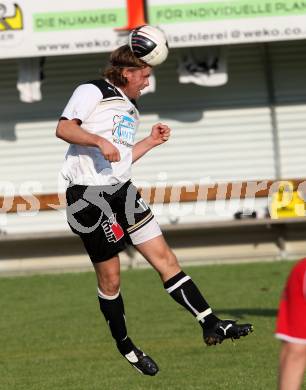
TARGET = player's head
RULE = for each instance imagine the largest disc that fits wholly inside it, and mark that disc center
(127, 72)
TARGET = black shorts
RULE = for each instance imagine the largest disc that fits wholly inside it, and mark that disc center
(107, 218)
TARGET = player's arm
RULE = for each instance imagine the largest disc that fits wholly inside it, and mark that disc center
(71, 132)
(159, 135)
(81, 104)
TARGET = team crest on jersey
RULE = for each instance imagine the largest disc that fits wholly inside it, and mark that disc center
(124, 130)
(113, 231)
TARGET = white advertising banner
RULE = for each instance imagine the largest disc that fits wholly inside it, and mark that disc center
(31, 28)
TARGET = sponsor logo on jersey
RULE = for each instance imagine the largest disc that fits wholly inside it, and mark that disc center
(132, 112)
(112, 89)
(124, 130)
(113, 231)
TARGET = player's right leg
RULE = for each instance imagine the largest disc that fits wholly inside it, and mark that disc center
(147, 238)
(184, 291)
(112, 307)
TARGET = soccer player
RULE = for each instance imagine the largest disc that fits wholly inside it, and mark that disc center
(105, 209)
(291, 329)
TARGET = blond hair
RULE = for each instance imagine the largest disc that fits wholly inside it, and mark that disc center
(121, 58)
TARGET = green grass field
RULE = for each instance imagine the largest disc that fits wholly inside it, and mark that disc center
(52, 335)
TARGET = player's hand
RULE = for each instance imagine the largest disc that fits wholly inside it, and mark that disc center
(109, 151)
(160, 133)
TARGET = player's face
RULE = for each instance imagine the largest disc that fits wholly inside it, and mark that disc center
(138, 79)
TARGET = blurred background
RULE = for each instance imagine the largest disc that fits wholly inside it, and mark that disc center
(229, 186)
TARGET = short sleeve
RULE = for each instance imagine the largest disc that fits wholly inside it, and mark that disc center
(82, 103)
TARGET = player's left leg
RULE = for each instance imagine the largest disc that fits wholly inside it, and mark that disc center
(184, 291)
(292, 366)
(112, 307)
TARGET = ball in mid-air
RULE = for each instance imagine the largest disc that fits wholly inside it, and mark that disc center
(149, 44)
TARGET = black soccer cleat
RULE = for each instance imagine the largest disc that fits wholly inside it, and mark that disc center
(225, 329)
(141, 362)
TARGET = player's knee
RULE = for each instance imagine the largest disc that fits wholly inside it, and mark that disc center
(170, 260)
(109, 286)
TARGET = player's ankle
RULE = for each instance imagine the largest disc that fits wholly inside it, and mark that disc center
(125, 346)
(210, 321)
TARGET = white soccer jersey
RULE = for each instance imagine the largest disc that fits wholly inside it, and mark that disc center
(104, 110)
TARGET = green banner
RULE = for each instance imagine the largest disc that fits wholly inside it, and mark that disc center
(215, 11)
(172, 13)
(79, 20)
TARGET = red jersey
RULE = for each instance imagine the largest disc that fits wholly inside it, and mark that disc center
(291, 319)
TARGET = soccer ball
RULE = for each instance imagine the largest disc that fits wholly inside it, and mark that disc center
(149, 44)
